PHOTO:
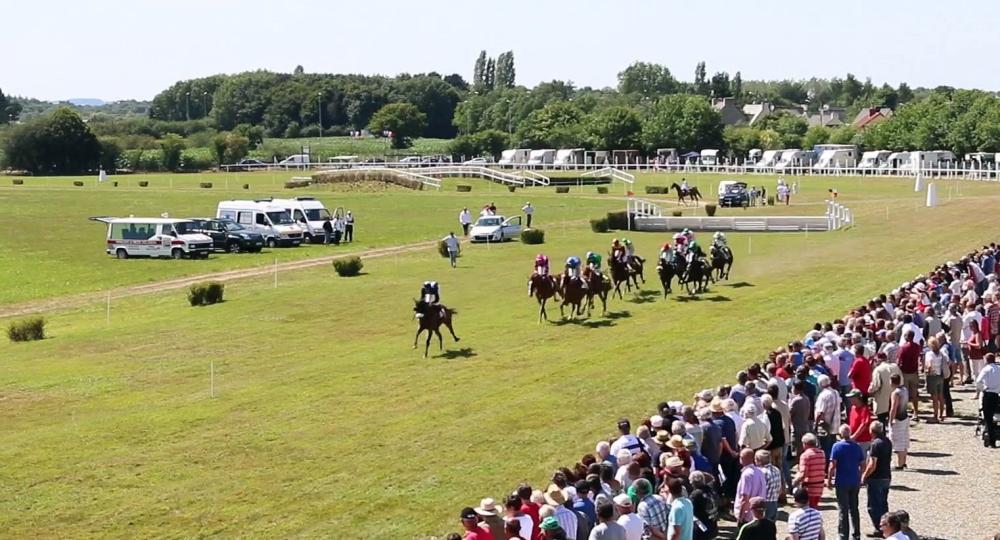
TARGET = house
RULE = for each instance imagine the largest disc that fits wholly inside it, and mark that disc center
(755, 112)
(828, 117)
(871, 116)
(731, 114)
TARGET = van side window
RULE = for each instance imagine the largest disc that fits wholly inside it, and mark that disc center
(245, 218)
(261, 218)
(299, 216)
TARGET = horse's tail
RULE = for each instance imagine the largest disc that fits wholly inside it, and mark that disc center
(451, 311)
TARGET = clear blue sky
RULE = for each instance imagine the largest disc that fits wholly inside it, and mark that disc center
(115, 49)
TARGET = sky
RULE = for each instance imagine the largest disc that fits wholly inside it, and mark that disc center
(132, 49)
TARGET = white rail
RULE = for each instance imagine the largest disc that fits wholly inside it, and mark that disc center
(532, 176)
(612, 172)
(644, 215)
(466, 171)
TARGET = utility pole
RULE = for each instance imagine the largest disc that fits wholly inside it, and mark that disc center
(204, 103)
(319, 111)
(188, 106)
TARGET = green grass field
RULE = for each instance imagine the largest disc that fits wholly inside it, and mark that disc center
(324, 422)
(327, 147)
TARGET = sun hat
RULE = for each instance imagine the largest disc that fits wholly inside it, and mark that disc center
(487, 507)
(549, 524)
(554, 496)
(853, 393)
(705, 395)
(716, 406)
(673, 461)
(663, 436)
(656, 421)
(676, 442)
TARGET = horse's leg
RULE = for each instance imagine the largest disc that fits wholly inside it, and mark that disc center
(416, 337)
(447, 323)
(541, 310)
(440, 339)
(604, 303)
(427, 344)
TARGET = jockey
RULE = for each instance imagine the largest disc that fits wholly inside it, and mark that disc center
(719, 240)
(695, 251)
(684, 185)
(689, 234)
(542, 265)
(681, 243)
(593, 262)
(573, 267)
(430, 293)
(665, 251)
(617, 250)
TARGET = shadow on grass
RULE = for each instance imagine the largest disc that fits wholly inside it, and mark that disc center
(934, 472)
(464, 352)
(615, 315)
(719, 298)
(644, 297)
(739, 285)
(586, 323)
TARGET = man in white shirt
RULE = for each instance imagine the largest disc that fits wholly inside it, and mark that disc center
(465, 218)
(828, 405)
(988, 382)
(626, 441)
(452, 244)
(528, 212)
(634, 525)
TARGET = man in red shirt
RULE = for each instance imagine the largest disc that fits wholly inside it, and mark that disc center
(859, 418)
(860, 373)
(812, 469)
(528, 507)
(908, 359)
(470, 522)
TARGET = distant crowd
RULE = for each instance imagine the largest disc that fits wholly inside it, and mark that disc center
(830, 412)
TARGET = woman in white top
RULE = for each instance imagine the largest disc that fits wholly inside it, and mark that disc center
(934, 366)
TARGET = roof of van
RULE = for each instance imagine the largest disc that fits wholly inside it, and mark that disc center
(157, 221)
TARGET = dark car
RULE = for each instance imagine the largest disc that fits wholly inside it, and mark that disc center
(228, 236)
(736, 195)
(248, 164)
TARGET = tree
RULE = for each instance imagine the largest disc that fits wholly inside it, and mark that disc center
(646, 80)
(700, 79)
(851, 91)
(682, 121)
(505, 75)
(737, 86)
(58, 143)
(720, 86)
(816, 135)
(230, 147)
(489, 79)
(479, 73)
(404, 120)
(492, 142)
(741, 139)
(9, 109)
(615, 128)
(904, 94)
(171, 147)
(435, 98)
(299, 70)
(253, 134)
(457, 82)
(556, 125)
(842, 135)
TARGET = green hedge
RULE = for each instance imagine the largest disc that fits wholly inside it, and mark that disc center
(562, 189)
(206, 185)
(463, 188)
(599, 225)
(349, 266)
(710, 209)
(533, 236)
(677, 213)
(511, 188)
(18, 182)
(143, 183)
(292, 184)
(617, 220)
(657, 190)
(32, 329)
(206, 294)
(246, 186)
(78, 183)
(603, 190)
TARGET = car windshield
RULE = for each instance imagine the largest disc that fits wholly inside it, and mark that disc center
(736, 187)
(318, 214)
(488, 222)
(280, 218)
(231, 225)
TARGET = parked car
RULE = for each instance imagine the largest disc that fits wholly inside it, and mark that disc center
(477, 161)
(495, 229)
(227, 235)
(248, 164)
(735, 195)
(153, 237)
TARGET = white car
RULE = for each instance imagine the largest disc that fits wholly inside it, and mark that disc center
(476, 161)
(495, 229)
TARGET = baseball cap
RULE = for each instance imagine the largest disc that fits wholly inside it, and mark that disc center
(468, 513)
(549, 524)
(623, 500)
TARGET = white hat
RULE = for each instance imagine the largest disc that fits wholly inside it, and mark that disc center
(656, 421)
(623, 500)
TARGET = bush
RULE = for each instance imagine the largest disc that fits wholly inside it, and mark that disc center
(770, 200)
(599, 225)
(32, 329)
(18, 182)
(143, 183)
(206, 294)
(677, 213)
(347, 267)
(367, 176)
(78, 183)
(206, 185)
(710, 209)
(195, 161)
(115, 183)
(562, 189)
(463, 188)
(617, 220)
(511, 188)
(533, 236)
(292, 184)
(246, 186)
(603, 190)
(655, 190)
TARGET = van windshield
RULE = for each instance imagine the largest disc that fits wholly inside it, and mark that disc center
(280, 218)
(187, 227)
(318, 214)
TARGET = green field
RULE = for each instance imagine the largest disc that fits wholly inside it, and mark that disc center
(322, 148)
(324, 422)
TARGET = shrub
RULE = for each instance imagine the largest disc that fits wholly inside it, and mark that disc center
(617, 220)
(655, 190)
(206, 294)
(463, 188)
(603, 190)
(32, 329)
(533, 236)
(18, 182)
(246, 186)
(562, 189)
(78, 183)
(770, 200)
(206, 185)
(143, 183)
(677, 213)
(367, 176)
(115, 183)
(710, 209)
(511, 188)
(599, 225)
(349, 266)
(292, 184)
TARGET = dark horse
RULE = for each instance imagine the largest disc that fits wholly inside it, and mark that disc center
(573, 295)
(542, 288)
(620, 273)
(636, 266)
(668, 270)
(698, 276)
(722, 262)
(683, 196)
(597, 285)
(432, 319)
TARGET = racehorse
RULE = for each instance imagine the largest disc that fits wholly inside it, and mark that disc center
(573, 295)
(683, 195)
(620, 273)
(698, 276)
(636, 267)
(597, 285)
(431, 321)
(722, 262)
(542, 288)
(667, 271)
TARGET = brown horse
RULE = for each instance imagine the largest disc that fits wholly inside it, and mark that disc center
(620, 273)
(573, 294)
(599, 286)
(432, 319)
(542, 288)
(683, 195)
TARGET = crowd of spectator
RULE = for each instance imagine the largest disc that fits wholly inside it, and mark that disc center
(829, 413)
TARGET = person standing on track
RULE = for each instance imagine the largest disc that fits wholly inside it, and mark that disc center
(465, 219)
(528, 212)
(349, 227)
(451, 242)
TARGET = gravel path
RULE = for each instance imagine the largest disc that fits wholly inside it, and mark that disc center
(950, 485)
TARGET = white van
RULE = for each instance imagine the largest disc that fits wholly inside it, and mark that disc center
(295, 160)
(154, 237)
(273, 222)
(309, 214)
(515, 156)
(542, 157)
(709, 157)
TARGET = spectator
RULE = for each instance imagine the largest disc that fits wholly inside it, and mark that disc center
(681, 520)
(528, 212)
(512, 530)
(988, 384)
(349, 227)
(626, 441)
(860, 372)
(811, 474)
(551, 529)
(909, 365)
(526, 526)
(772, 477)
(728, 458)
(799, 412)
(762, 527)
(704, 506)
(327, 231)
(754, 434)
(891, 528)
(582, 503)
(881, 387)
(934, 366)
(904, 525)
(651, 509)
(465, 219)
(528, 506)
(487, 511)
(847, 461)
(470, 522)
(878, 474)
(567, 519)
(859, 419)
(451, 243)
(806, 523)
(608, 528)
(752, 483)
(633, 524)
(827, 414)
(899, 427)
